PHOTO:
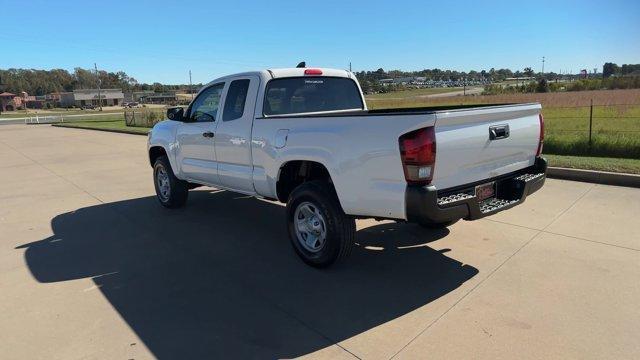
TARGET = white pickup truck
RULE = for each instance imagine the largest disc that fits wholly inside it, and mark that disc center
(304, 136)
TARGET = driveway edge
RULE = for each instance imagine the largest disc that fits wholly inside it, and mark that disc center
(131, 132)
(596, 177)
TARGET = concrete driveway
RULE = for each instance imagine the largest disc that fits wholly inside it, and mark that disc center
(92, 267)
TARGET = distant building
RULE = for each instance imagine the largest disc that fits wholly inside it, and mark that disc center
(53, 98)
(6, 101)
(135, 96)
(80, 98)
(159, 98)
(32, 102)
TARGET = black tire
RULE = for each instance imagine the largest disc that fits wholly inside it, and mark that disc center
(339, 228)
(442, 225)
(178, 190)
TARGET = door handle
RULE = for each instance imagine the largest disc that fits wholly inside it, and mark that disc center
(208, 134)
(499, 132)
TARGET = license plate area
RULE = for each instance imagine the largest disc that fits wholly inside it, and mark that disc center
(486, 191)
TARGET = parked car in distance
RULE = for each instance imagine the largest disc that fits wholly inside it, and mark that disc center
(304, 137)
(88, 107)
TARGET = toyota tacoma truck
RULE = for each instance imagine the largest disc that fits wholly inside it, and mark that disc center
(304, 136)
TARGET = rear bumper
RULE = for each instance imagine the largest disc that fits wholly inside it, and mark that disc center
(426, 204)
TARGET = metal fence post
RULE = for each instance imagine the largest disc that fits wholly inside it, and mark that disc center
(590, 123)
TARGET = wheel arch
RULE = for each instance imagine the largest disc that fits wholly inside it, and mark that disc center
(293, 173)
(155, 152)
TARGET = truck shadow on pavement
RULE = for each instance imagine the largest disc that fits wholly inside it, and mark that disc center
(219, 277)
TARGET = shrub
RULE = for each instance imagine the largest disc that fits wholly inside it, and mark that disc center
(143, 118)
(543, 86)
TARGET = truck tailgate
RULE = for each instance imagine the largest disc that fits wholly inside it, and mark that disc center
(467, 154)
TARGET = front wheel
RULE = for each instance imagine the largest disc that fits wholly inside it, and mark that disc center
(319, 230)
(170, 191)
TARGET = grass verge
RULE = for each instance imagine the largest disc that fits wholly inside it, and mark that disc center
(630, 166)
(114, 125)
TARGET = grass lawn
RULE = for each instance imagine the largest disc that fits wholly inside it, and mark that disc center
(631, 166)
(616, 131)
(106, 125)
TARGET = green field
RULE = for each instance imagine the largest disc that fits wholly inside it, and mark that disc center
(615, 131)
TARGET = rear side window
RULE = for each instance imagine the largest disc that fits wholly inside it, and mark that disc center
(310, 94)
(236, 98)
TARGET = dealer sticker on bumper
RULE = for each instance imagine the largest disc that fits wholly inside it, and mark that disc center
(486, 191)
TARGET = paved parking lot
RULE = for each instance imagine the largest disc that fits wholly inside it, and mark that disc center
(92, 267)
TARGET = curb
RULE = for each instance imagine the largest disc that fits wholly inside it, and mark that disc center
(130, 132)
(596, 177)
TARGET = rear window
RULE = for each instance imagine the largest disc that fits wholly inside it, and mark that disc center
(236, 97)
(311, 94)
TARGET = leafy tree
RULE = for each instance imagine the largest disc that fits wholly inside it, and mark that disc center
(528, 71)
(628, 69)
(609, 69)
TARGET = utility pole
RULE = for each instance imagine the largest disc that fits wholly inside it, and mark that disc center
(543, 66)
(98, 80)
(190, 86)
(349, 66)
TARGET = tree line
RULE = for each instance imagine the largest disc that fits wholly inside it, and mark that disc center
(612, 69)
(42, 82)
(370, 80)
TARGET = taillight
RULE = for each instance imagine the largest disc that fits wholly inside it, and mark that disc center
(418, 153)
(541, 142)
(313, 72)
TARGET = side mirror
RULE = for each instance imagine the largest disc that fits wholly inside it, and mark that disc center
(176, 113)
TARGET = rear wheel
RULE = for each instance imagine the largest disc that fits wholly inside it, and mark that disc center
(320, 232)
(170, 191)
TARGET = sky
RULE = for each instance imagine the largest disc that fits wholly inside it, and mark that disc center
(160, 41)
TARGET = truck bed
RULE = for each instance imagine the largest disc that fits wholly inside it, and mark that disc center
(361, 149)
(400, 111)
